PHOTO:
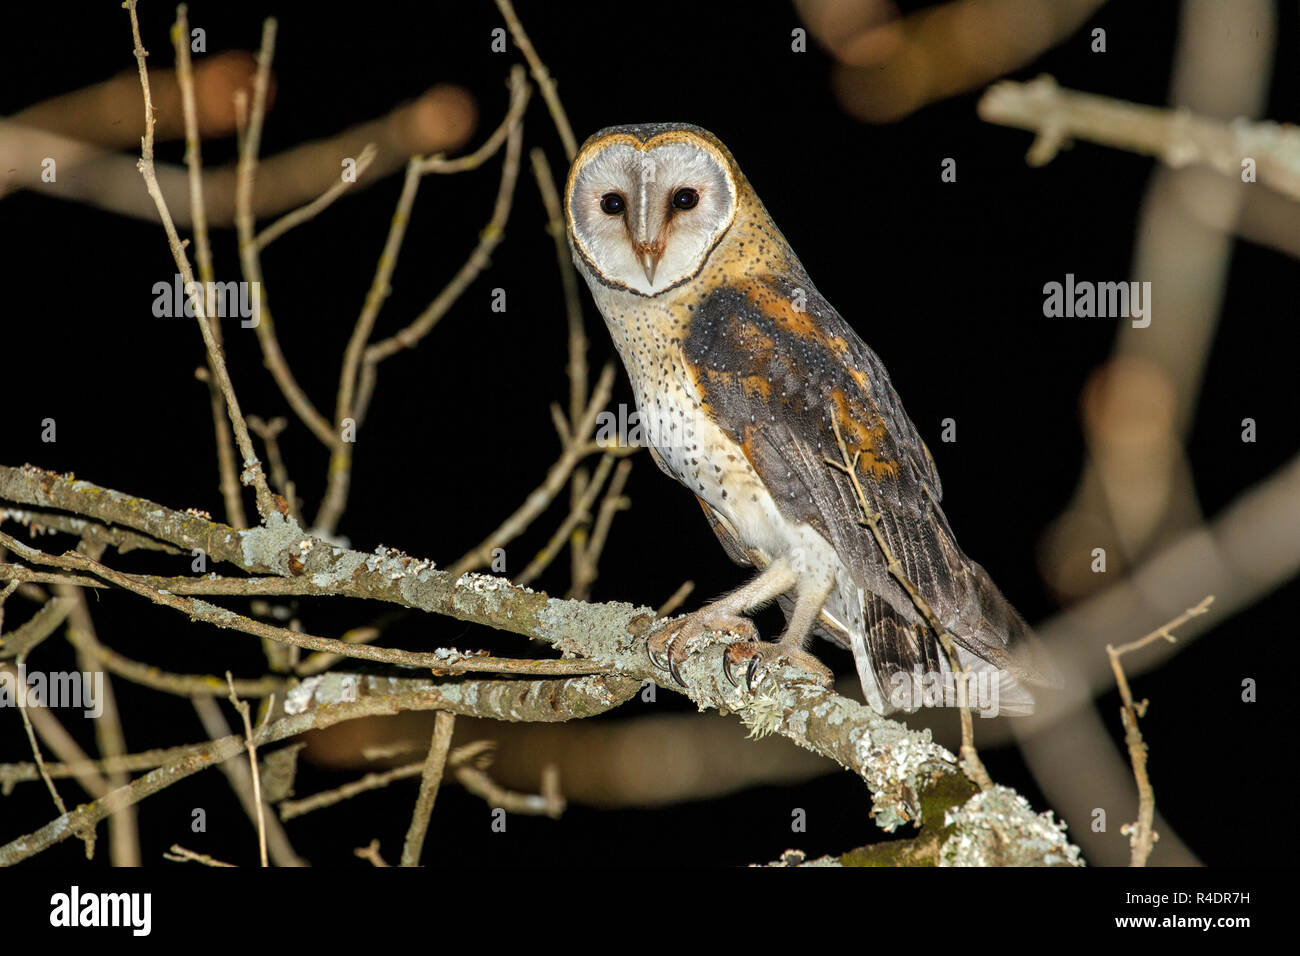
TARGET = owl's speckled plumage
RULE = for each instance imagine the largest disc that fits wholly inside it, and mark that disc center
(741, 372)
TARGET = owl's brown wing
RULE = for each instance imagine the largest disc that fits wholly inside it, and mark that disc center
(775, 365)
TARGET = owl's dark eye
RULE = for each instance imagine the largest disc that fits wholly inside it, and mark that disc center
(612, 204)
(685, 198)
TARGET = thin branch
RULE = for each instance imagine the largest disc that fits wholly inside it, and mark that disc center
(548, 803)
(676, 599)
(357, 376)
(371, 853)
(460, 757)
(1176, 137)
(614, 501)
(328, 798)
(36, 748)
(252, 466)
(23, 640)
(247, 786)
(430, 780)
(124, 834)
(86, 769)
(579, 513)
(542, 77)
(577, 366)
(94, 532)
(178, 854)
(540, 499)
(1142, 836)
(269, 432)
(478, 260)
(229, 481)
(321, 703)
(249, 255)
(182, 685)
(318, 205)
(251, 746)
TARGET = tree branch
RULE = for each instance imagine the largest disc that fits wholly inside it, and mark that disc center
(911, 779)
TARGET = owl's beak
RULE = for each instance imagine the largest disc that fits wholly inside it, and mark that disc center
(649, 258)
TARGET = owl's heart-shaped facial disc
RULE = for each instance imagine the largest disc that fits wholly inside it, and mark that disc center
(644, 214)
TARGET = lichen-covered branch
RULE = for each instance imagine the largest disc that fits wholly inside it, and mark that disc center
(331, 699)
(912, 780)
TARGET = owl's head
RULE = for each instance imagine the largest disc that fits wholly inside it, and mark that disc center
(647, 204)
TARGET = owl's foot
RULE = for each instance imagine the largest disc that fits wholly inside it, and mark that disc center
(667, 646)
(779, 653)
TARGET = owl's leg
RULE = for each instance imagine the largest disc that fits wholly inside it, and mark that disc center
(811, 596)
(722, 615)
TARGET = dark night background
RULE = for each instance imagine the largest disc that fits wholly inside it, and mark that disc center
(944, 281)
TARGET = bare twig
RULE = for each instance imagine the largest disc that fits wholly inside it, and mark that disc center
(430, 780)
(540, 499)
(357, 376)
(21, 641)
(579, 513)
(548, 803)
(252, 466)
(577, 365)
(327, 798)
(318, 205)
(124, 835)
(85, 769)
(36, 748)
(230, 489)
(478, 260)
(371, 853)
(269, 432)
(676, 599)
(249, 251)
(542, 77)
(178, 854)
(251, 745)
(1141, 835)
(613, 502)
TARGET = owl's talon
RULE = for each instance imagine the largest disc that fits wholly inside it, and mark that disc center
(667, 646)
(672, 669)
(650, 653)
(760, 652)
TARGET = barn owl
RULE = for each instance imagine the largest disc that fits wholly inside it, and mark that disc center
(745, 380)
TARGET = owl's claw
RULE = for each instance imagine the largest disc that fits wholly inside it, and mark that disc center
(732, 656)
(667, 647)
(667, 663)
(650, 653)
(762, 652)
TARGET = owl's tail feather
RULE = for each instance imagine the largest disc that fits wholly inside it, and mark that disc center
(1003, 638)
(902, 667)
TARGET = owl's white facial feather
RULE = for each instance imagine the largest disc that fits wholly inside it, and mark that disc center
(649, 245)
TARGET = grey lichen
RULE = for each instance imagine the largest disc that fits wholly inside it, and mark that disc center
(999, 828)
(269, 544)
(762, 715)
(324, 690)
(799, 858)
(897, 764)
